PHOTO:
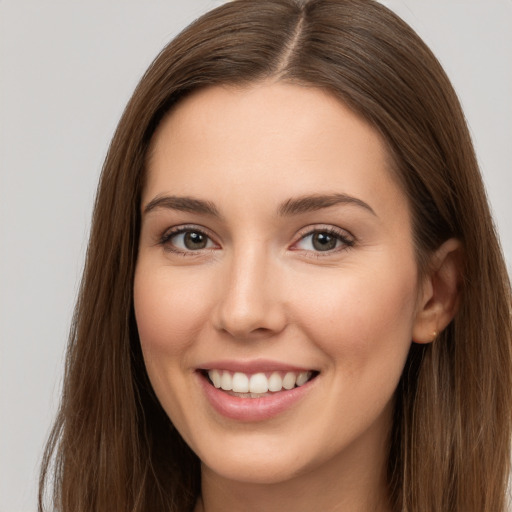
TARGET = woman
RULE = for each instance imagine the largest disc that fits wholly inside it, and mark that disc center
(294, 295)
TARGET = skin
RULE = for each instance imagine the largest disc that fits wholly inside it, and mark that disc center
(261, 289)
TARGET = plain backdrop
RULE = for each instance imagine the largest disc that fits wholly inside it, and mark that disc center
(67, 69)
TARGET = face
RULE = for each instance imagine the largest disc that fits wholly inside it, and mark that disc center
(276, 283)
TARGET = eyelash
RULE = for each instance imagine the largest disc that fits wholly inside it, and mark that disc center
(171, 233)
(347, 242)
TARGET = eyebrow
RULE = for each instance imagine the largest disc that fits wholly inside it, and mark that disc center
(304, 204)
(292, 206)
(184, 204)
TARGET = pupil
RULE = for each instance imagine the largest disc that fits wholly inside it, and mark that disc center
(194, 240)
(324, 241)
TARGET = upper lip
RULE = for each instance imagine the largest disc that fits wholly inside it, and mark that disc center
(253, 366)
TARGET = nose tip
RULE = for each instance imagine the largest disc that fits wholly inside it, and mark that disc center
(245, 320)
(250, 305)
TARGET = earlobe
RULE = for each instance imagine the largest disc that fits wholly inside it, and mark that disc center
(440, 292)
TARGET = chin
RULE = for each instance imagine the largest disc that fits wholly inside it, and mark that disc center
(256, 459)
(266, 472)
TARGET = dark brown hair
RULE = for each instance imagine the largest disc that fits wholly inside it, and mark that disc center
(114, 449)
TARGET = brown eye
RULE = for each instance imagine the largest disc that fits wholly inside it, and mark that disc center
(187, 241)
(193, 240)
(324, 241)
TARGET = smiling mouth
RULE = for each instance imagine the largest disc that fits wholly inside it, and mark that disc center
(257, 385)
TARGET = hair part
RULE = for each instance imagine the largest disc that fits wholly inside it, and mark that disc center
(115, 448)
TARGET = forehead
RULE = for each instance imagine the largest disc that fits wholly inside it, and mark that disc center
(272, 139)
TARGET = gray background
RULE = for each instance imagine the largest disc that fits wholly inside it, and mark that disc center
(66, 71)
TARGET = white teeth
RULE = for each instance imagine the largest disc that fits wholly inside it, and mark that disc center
(302, 378)
(240, 383)
(289, 380)
(215, 377)
(275, 382)
(257, 383)
(226, 381)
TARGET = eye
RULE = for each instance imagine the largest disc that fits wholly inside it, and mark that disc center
(324, 240)
(186, 240)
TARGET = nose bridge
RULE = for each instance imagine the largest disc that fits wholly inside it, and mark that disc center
(249, 302)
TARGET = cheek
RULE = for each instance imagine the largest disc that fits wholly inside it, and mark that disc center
(167, 313)
(362, 319)
(168, 309)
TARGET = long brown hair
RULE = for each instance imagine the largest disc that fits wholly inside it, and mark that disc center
(114, 449)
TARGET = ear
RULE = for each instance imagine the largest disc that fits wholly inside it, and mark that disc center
(439, 297)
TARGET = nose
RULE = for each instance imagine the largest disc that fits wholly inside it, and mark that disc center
(250, 304)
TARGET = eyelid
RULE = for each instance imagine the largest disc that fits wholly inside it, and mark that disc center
(348, 240)
(173, 231)
(345, 237)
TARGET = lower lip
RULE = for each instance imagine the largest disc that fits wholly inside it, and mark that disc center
(253, 409)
